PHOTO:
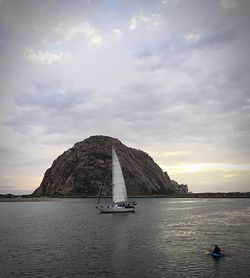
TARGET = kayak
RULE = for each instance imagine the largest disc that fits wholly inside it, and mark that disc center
(216, 255)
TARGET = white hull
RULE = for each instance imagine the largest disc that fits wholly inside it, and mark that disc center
(115, 210)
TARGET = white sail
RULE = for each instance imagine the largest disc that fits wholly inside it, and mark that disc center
(119, 191)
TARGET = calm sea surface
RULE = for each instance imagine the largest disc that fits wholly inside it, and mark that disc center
(164, 238)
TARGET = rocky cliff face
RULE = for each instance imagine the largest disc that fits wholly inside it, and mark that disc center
(79, 171)
(179, 188)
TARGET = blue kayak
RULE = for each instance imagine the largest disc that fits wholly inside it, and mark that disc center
(217, 255)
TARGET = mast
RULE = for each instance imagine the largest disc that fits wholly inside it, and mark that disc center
(103, 180)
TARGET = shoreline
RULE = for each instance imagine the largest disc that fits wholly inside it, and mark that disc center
(28, 198)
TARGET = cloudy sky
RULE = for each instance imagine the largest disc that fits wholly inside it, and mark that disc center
(170, 77)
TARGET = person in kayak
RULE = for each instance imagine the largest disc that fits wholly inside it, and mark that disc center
(216, 249)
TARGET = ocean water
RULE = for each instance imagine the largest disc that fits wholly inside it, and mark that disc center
(164, 238)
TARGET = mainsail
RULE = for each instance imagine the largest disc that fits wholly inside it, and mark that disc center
(119, 191)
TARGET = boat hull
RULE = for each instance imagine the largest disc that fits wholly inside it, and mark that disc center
(217, 255)
(115, 210)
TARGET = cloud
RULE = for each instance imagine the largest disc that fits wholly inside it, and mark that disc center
(51, 97)
(230, 176)
(212, 177)
(142, 21)
(118, 33)
(203, 167)
(183, 44)
(60, 105)
(20, 184)
(175, 153)
(84, 29)
(44, 57)
(229, 4)
(171, 2)
(179, 52)
(192, 37)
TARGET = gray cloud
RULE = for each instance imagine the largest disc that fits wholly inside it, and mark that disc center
(175, 51)
(50, 96)
(182, 85)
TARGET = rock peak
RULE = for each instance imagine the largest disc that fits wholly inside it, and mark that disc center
(79, 170)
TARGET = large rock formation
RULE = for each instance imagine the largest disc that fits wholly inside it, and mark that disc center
(79, 171)
(179, 188)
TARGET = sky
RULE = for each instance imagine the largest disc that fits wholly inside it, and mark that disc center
(170, 77)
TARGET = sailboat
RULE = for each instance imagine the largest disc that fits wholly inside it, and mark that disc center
(120, 201)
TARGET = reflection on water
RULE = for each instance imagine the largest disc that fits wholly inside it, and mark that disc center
(164, 238)
(183, 202)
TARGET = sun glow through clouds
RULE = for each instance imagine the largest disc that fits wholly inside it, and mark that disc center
(208, 167)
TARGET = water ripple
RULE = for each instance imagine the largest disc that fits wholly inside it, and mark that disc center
(164, 238)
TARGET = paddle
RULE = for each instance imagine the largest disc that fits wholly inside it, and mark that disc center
(211, 251)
